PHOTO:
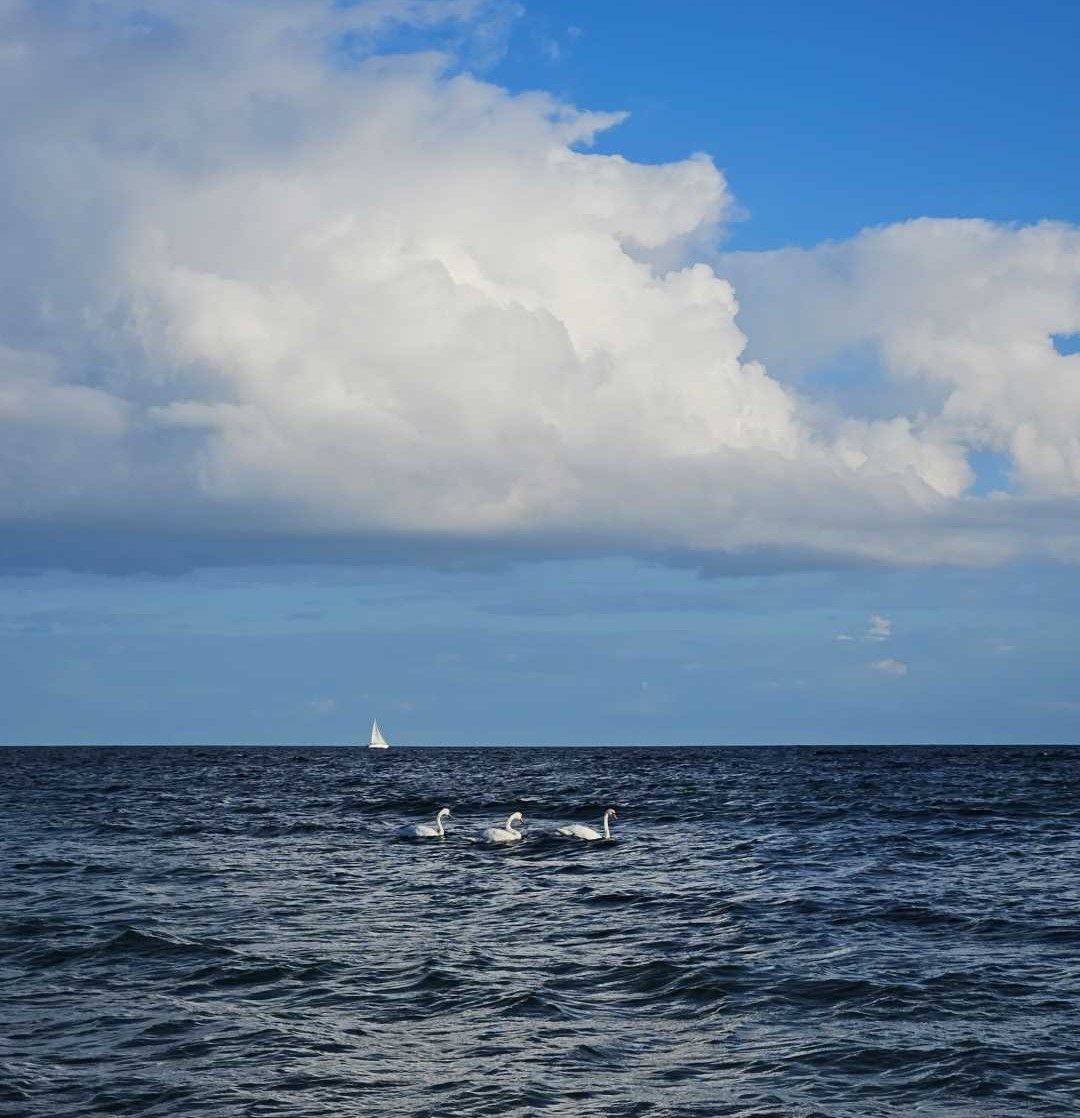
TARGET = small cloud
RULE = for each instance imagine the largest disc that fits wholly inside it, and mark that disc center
(553, 49)
(1006, 649)
(322, 706)
(1061, 704)
(889, 667)
(879, 629)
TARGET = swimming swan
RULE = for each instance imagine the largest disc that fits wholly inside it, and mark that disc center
(503, 834)
(425, 830)
(579, 830)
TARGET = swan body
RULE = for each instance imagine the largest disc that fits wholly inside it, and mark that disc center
(590, 834)
(426, 830)
(503, 834)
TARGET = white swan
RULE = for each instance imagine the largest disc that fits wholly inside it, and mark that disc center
(425, 830)
(504, 834)
(579, 830)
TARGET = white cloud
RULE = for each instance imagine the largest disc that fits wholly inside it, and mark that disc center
(256, 286)
(889, 667)
(959, 315)
(878, 629)
(322, 706)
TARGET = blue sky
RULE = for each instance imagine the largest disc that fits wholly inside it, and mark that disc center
(612, 651)
(829, 118)
(338, 380)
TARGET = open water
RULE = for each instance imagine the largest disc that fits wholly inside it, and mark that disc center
(787, 932)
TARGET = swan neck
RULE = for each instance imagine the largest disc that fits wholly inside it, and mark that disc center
(607, 829)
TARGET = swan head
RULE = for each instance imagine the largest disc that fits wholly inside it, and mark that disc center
(443, 814)
(516, 817)
(611, 813)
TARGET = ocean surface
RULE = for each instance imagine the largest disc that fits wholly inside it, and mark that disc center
(782, 931)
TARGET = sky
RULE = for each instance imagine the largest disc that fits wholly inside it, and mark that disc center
(538, 372)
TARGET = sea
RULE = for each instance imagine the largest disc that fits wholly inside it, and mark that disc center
(771, 932)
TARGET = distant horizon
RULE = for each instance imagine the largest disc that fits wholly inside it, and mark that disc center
(555, 745)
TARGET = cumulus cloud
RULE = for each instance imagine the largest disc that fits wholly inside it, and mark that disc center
(959, 317)
(889, 667)
(265, 284)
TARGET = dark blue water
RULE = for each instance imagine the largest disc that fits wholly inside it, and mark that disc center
(773, 932)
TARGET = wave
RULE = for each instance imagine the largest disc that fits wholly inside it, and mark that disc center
(194, 932)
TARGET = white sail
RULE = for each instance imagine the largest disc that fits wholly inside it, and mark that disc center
(377, 740)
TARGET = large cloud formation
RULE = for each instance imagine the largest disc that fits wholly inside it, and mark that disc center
(263, 283)
(962, 314)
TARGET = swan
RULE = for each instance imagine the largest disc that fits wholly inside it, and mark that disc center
(579, 830)
(425, 830)
(504, 834)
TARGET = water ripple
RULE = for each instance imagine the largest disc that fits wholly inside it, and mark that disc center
(840, 932)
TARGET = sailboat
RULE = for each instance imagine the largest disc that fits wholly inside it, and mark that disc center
(377, 740)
